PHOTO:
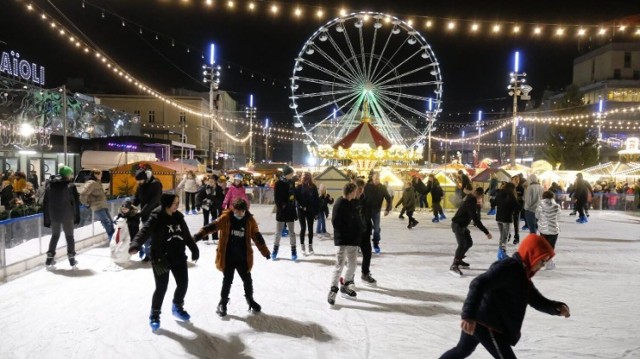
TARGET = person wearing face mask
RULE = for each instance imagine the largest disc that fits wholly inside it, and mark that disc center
(148, 198)
(237, 229)
(169, 234)
(494, 310)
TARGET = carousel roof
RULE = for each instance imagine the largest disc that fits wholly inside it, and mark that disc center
(364, 133)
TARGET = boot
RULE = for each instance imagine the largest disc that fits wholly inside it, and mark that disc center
(222, 307)
(50, 259)
(274, 252)
(72, 261)
(178, 311)
(154, 319)
(294, 253)
(311, 249)
(253, 306)
(304, 249)
(331, 298)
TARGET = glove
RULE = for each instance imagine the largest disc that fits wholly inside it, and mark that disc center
(268, 256)
(197, 237)
(195, 255)
(133, 249)
(160, 266)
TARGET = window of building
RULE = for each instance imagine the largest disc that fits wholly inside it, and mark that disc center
(152, 116)
(183, 117)
(627, 60)
(617, 74)
(136, 112)
(636, 75)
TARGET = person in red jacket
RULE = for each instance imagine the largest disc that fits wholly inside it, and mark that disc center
(494, 310)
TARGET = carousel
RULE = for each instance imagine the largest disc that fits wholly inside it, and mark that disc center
(365, 148)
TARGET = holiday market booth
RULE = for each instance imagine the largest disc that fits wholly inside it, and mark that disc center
(123, 181)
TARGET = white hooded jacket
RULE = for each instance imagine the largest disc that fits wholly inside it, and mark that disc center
(548, 215)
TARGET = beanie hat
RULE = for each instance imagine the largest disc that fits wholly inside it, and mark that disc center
(534, 248)
(166, 200)
(65, 171)
(141, 174)
(287, 170)
(127, 204)
(237, 177)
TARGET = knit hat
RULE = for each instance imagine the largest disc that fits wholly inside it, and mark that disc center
(141, 174)
(65, 171)
(166, 200)
(237, 177)
(127, 204)
(534, 248)
(287, 170)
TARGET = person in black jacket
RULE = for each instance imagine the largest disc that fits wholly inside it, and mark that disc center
(61, 206)
(348, 225)
(495, 307)
(364, 211)
(467, 212)
(148, 198)
(285, 198)
(169, 235)
(308, 201)
(209, 198)
(375, 192)
(519, 185)
(507, 205)
(436, 197)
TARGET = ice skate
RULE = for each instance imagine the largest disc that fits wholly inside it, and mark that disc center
(368, 279)
(221, 310)
(311, 252)
(154, 320)
(253, 306)
(274, 252)
(331, 298)
(348, 290)
(455, 271)
(294, 254)
(179, 312)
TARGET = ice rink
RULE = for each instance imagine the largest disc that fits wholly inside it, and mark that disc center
(97, 311)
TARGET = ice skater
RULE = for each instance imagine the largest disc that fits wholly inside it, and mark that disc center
(169, 235)
(348, 225)
(467, 212)
(495, 307)
(237, 229)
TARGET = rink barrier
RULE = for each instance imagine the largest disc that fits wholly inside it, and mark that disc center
(24, 241)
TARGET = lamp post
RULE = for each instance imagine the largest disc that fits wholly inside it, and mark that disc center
(431, 119)
(212, 76)
(500, 146)
(599, 143)
(462, 154)
(517, 88)
(479, 128)
(267, 131)
(250, 113)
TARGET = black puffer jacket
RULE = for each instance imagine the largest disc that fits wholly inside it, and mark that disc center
(285, 198)
(498, 298)
(507, 205)
(436, 191)
(148, 197)
(308, 200)
(347, 222)
(169, 236)
(61, 201)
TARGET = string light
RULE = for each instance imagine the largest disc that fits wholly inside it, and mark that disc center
(475, 27)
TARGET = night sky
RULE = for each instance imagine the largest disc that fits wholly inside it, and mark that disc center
(475, 69)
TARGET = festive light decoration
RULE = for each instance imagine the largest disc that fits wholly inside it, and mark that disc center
(12, 65)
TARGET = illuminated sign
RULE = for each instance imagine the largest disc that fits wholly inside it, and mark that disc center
(11, 64)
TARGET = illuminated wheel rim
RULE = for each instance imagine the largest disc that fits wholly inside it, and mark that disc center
(370, 56)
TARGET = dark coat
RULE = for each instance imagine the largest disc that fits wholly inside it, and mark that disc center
(6, 196)
(507, 205)
(308, 200)
(468, 212)
(498, 298)
(409, 199)
(209, 197)
(169, 236)
(285, 198)
(348, 223)
(325, 201)
(436, 191)
(148, 197)
(61, 201)
(375, 194)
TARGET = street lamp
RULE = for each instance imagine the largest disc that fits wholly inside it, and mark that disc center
(517, 88)
(250, 113)
(599, 144)
(462, 155)
(212, 76)
(479, 128)
(431, 119)
(500, 145)
(267, 132)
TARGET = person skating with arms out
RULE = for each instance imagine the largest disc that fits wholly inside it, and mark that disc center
(237, 229)
(494, 310)
(467, 212)
(169, 235)
(348, 225)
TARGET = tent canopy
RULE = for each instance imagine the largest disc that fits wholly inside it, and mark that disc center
(485, 176)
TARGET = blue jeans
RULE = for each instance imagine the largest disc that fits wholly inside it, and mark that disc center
(531, 221)
(104, 217)
(375, 219)
(321, 226)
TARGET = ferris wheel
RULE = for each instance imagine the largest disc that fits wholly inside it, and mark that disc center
(363, 58)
